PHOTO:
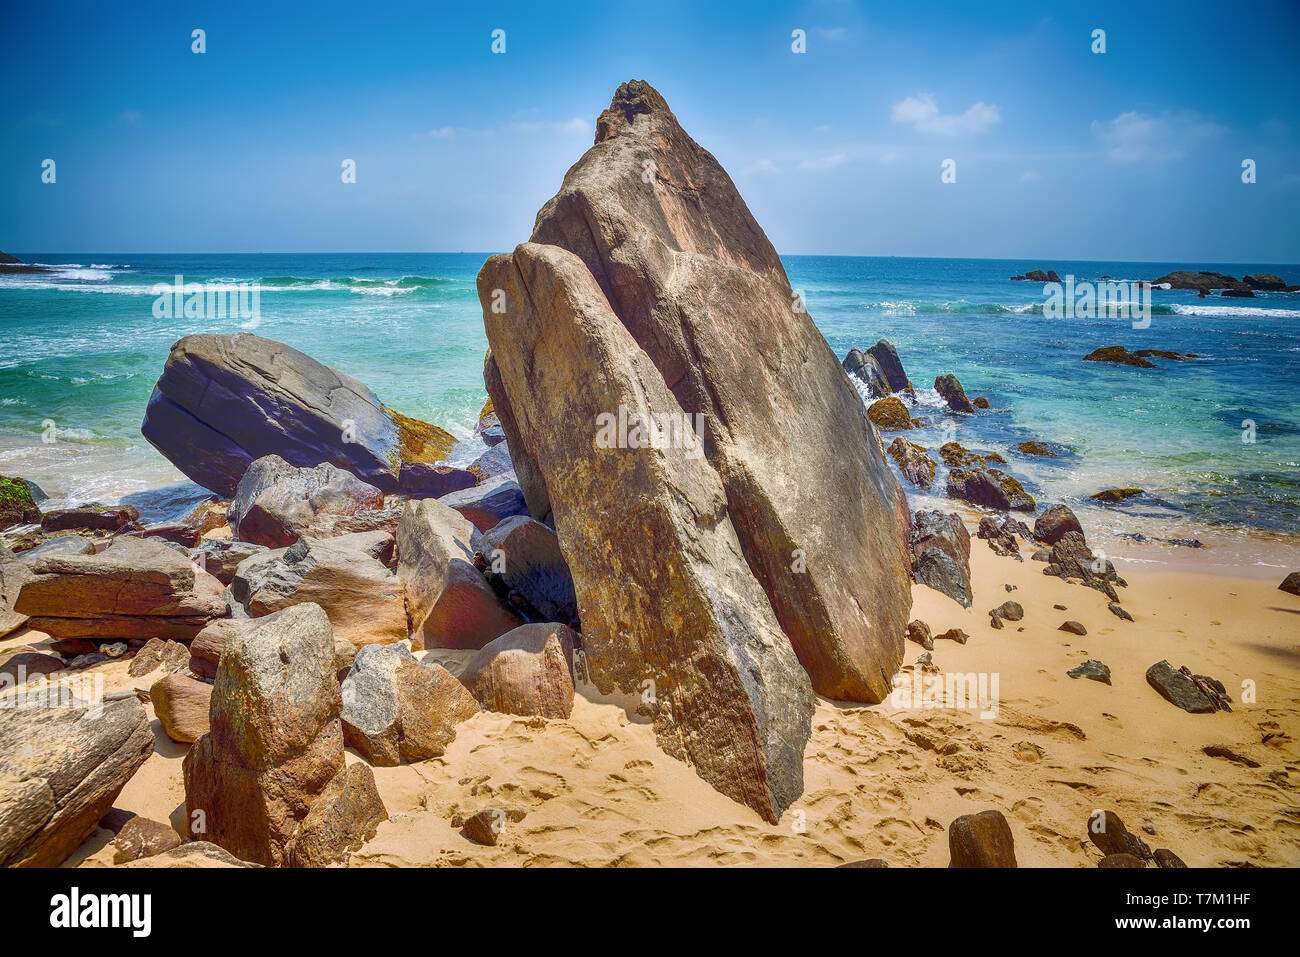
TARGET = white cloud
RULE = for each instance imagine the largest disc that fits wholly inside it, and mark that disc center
(1134, 137)
(576, 125)
(1030, 176)
(922, 113)
(443, 132)
(825, 162)
(762, 166)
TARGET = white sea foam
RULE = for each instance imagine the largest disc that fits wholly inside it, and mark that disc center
(1213, 312)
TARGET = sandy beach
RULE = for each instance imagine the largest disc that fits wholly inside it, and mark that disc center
(884, 781)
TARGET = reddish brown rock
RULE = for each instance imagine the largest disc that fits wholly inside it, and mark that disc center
(917, 467)
(182, 705)
(276, 748)
(141, 837)
(526, 671)
(346, 576)
(136, 588)
(449, 603)
(981, 840)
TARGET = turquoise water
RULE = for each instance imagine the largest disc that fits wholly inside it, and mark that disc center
(82, 349)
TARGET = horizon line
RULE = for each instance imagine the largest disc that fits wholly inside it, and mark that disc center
(471, 252)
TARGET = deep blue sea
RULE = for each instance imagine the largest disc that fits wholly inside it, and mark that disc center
(83, 347)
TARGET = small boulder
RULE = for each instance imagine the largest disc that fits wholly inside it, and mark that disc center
(423, 480)
(915, 466)
(989, 487)
(886, 357)
(346, 576)
(448, 601)
(397, 710)
(143, 837)
(952, 392)
(1073, 627)
(1054, 523)
(919, 632)
(17, 504)
(62, 769)
(1291, 584)
(181, 705)
(135, 588)
(488, 504)
(526, 555)
(890, 414)
(487, 826)
(940, 548)
(527, 671)
(1196, 694)
(1118, 355)
(981, 840)
(1109, 496)
(220, 558)
(1008, 610)
(1167, 858)
(953, 634)
(170, 656)
(205, 649)
(1108, 833)
(1091, 669)
(94, 517)
(277, 503)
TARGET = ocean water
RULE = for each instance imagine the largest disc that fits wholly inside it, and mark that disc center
(82, 348)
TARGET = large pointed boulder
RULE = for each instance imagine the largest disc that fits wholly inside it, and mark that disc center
(669, 607)
(225, 400)
(685, 269)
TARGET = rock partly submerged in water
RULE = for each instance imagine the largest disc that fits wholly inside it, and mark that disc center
(953, 394)
(915, 466)
(890, 415)
(631, 283)
(17, 504)
(224, 401)
(879, 368)
(991, 488)
(1118, 355)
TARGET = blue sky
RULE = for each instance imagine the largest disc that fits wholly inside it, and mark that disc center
(1134, 154)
